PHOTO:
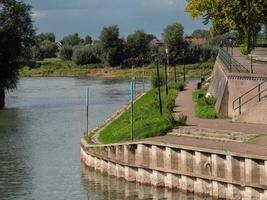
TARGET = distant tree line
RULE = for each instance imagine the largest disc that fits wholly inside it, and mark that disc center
(112, 50)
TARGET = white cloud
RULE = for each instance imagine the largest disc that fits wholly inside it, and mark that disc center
(38, 14)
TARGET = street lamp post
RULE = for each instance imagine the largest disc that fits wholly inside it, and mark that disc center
(184, 65)
(133, 62)
(143, 69)
(160, 102)
(166, 70)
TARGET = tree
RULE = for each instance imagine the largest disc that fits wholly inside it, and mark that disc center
(245, 17)
(16, 37)
(112, 45)
(72, 39)
(201, 33)
(138, 43)
(50, 36)
(65, 52)
(173, 39)
(85, 55)
(88, 39)
(48, 49)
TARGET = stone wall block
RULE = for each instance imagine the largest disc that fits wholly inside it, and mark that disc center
(143, 176)
(172, 181)
(120, 172)
(157, 179)
(168, 155)
(130, 174)
(112, 169)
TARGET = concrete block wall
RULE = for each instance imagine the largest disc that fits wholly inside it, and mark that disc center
(203, 172)
(227, 87)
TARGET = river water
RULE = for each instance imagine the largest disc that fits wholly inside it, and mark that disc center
(40, 131)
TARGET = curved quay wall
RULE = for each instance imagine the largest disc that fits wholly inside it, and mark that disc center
(222, 175)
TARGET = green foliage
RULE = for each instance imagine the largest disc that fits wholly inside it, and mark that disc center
(138, 44)
(244, 16)
(85, 55)
(201, 33)
(65, 52)
(205, 106)
(173, 39)
(72, 39)
(46, 36)
(147, 120)
(88, 39)
(156, 81)
(16, 38)
(244, 49)
(48, 49)
(112, 45)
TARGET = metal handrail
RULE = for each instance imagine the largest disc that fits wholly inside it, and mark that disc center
(239, 99)
(230, 62)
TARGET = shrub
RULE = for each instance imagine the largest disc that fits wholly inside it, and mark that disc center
(65, 52)
(85, 55)
(154, 79)
(244, 49)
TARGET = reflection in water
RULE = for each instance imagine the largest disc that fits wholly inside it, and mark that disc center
(111, 188)
(15, 179)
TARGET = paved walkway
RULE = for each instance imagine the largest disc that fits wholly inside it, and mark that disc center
(258, 67)
(185, 105)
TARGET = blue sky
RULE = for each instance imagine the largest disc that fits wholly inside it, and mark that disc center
(89, 16)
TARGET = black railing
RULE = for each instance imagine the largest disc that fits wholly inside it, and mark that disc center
(240, 101)
(231, 64)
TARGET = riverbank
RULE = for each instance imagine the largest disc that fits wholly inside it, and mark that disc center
(54, 67)
(148, 122)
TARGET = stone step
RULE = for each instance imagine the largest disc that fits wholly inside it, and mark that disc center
(212, 134)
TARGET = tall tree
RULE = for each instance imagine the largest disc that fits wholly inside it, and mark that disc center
(16, 37)
(88, 39)
(112, 45)
(138, 43)
(72, 39)
(173, 38)
(244, 16)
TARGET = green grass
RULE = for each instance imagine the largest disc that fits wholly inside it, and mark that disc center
(57, 67)
(147, 119)
(204, 107)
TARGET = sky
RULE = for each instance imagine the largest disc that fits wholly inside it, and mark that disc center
(89, 16)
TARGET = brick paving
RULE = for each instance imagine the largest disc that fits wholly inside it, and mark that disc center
(185, 104)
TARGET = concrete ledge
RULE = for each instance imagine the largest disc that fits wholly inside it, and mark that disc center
(204, 173)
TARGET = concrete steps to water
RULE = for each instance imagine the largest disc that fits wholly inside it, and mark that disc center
(213, 134)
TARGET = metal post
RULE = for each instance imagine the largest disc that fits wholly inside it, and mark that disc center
(166, 79)
(132, 109)
(259, 92)
(239, 102)
(251, 64)
(230, 59)
(143, 67)
(175, 78)
(184, 65)
(160, 102)
(87, 111)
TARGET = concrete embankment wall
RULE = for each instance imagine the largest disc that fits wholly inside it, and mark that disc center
(222, 175)
(227, 87)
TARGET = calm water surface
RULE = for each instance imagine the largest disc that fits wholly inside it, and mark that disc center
(40, 130)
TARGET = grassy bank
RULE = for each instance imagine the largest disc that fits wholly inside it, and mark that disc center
(147, 120)
(204, 107)
(56, 67)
